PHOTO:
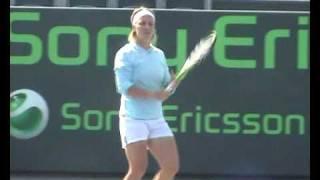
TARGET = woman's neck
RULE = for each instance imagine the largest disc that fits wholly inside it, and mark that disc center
(143, 43)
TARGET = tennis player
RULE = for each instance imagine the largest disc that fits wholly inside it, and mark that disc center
(141, 75)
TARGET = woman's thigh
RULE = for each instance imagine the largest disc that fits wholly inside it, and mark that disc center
(137, 155)
(165, 151)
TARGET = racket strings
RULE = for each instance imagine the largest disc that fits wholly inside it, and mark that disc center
(200, 51)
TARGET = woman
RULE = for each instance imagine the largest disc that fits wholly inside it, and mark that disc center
(141, 75)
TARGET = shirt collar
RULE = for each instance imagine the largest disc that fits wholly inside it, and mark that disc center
(140, 48)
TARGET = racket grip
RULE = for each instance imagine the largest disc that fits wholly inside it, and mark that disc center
(171, 87)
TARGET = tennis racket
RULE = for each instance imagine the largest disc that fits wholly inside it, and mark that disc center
(196, 56)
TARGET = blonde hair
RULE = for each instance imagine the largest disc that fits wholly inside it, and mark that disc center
(132, 37)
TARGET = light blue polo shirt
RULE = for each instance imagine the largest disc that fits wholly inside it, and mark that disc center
(146, 69)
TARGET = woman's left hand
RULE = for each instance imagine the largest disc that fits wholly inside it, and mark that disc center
(173, 83)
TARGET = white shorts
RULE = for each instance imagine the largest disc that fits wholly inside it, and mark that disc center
(132, 130)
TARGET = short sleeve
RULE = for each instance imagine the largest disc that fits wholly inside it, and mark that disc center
(123, 72)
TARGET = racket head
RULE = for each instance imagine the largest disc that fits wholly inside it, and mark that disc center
(199, 53)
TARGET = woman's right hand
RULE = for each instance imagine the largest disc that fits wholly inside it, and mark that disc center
(161, 95)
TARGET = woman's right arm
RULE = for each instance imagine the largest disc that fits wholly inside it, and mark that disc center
(142, 93)
(124, 82)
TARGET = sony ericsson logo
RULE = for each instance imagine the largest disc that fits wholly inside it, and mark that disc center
(28, 114)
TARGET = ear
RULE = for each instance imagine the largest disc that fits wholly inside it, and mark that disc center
(134, 27)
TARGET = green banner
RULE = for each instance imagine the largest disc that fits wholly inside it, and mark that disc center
(243, 111)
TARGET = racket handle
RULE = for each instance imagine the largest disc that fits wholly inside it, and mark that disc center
(171, 87)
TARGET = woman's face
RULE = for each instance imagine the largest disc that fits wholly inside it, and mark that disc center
(145, 28)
